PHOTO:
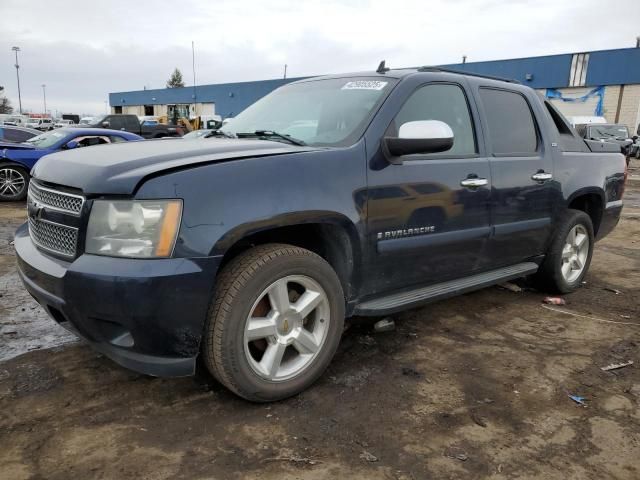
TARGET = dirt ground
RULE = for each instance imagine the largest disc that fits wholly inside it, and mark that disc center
(473, 387)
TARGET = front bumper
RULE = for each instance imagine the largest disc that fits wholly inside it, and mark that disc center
(146, 315)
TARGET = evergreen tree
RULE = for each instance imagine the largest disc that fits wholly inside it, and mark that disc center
(5, 105)
(175, 81)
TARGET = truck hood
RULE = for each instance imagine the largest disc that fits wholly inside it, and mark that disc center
(119, 168)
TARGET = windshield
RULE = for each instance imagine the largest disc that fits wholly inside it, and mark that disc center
(46, 140)
(330, 112)
(609, 131)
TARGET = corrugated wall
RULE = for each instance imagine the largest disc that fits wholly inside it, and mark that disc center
(229, 98)
(606, 68)
(614, 67)
(546, 72)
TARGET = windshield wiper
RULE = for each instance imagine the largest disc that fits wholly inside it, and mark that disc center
(220, 133)
(271, 133)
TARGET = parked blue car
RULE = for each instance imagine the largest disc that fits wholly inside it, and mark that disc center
(17, 159)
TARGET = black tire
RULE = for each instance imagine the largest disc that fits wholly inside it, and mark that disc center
(238, 287)
(13, 172)
(550, 277)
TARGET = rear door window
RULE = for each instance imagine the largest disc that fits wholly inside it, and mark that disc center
(512, 129)
(89, 141)
(14, 135)
(116, 123)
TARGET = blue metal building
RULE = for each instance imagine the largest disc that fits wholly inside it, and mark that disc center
(605, 82)
(229, 98)
(603, 67)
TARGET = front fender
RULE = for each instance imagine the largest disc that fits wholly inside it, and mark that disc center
(228, 200)
(292, 219)
(5, 162)
(25, 158)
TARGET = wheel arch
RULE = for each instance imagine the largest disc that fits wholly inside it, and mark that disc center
(332, 236)
(590, 200)
(5, 162)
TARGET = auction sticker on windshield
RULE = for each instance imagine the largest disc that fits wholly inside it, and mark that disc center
(364, 85)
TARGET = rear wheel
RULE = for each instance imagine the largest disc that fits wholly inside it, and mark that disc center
(569, 256)
(275, 322)
(13, 183)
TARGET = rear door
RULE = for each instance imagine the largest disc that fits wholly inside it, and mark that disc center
(132, 124)
(115, 122)
(521, 163)
(424, 225)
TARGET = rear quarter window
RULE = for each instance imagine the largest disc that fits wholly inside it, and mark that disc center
(512, 129)
(16, 135)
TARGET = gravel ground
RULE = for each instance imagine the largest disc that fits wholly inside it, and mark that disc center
(472, 387)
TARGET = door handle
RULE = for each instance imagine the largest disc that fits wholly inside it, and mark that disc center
(541, 176)
(474, 182)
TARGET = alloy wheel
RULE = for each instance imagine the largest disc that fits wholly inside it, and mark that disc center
(12, 183)
(575, 253)
(286, 328)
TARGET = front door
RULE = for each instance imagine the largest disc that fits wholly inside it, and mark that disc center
(428, 218)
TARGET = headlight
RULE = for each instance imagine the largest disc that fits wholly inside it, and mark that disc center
(133, 228)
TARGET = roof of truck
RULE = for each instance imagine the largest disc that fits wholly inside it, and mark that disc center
(403, 72)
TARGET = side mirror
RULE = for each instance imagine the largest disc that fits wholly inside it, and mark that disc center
(422, 136)
(634, 138)
(106, 124)
(71, 145)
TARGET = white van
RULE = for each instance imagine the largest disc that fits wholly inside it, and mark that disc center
(583, 120)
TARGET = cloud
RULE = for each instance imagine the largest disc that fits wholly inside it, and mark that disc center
(82, 53)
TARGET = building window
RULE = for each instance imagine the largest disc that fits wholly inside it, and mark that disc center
(148, 110)
(117, 109)
(578, 73)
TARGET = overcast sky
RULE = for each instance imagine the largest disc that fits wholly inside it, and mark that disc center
(83, 50)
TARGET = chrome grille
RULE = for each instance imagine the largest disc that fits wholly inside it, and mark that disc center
(54, 237)
(56, 200)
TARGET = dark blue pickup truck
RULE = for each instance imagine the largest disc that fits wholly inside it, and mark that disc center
(360, 194)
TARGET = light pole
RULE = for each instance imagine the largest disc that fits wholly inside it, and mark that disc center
(193, 65)
(44, 98)
(17, 49)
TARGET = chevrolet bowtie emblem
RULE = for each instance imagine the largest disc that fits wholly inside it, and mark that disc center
(34, 209)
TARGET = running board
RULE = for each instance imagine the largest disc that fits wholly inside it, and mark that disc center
(401, 301)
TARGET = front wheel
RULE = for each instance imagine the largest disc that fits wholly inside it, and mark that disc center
(13, 183)
(275, 322)
(569, 255)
